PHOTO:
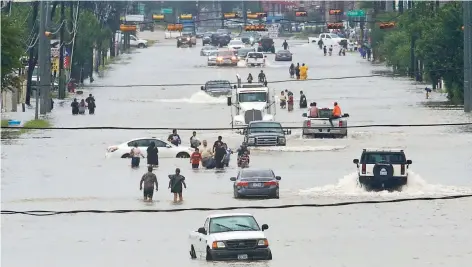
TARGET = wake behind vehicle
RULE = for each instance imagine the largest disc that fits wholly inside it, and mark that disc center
(230, 236)
(252, 102)
(217, 88)
(166, 149)
(265, 133)
(283, 55)
(226, 58)
(256, 183)
(321, 127)
(381, 169)
(266, 44)
(256, 59)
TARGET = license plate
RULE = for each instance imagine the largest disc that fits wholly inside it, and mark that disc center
(256, 184)
(227, 61)
(242, 257)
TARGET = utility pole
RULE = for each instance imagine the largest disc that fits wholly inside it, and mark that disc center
(244, 9)
(32, 54)
(222, 15)
(44, 60)
(467, 9)
(412, 69)
(62, 86)
(373, 44)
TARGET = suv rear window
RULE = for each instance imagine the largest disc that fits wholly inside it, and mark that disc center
(383, 157)
(255, 55)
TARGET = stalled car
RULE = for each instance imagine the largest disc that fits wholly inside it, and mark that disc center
(166, 149)
(256, 183)
(226, 58)
(283, 55)
(206, 50)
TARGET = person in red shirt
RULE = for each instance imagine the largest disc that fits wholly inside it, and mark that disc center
(195, 159)
(290, 103)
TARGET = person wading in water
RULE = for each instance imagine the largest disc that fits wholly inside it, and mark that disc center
(149, 179)
(152, 155)
(175, 184)
(135, 155)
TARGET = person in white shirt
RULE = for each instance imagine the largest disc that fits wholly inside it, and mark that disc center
(206, 151)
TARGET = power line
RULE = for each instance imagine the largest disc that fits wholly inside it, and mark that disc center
(338, 204)
(235, 128)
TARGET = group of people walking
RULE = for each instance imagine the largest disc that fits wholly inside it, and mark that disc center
(176, 185)
(301, 72)
(286, 100)
(80, 107)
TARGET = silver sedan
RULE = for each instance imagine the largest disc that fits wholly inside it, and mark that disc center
(256, 183)
(206, 50)
(212, 58)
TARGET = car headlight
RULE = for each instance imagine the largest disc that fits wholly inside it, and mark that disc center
(263, 243)
(218, 244)
(282, 140)
(251, 140)
(251, 38)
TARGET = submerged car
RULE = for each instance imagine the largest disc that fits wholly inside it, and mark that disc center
(217, 88)
(381, 169)
(283, 55)
(230, 236)
(256, 183)
(166, 149)
(206, 50)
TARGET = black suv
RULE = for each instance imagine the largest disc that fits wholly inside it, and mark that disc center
(266, 44)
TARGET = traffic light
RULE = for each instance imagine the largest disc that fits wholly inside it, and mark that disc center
(186, 16)
(335, 26)
(301, 14)
(127, 28)
(252, 16)
(157, 17)
(255, 28)
(174, 27)
(387, 25)
(335, 12)
(231, 15)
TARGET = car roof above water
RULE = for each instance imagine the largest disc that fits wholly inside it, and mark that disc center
(383, 150)
(218, 215)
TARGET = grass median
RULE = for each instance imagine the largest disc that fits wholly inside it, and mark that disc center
(15, 133)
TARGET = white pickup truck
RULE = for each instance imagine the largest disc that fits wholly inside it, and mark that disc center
(328, 39)
(322, 127)
(231, 236)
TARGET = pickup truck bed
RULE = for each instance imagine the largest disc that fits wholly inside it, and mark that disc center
(322, 128)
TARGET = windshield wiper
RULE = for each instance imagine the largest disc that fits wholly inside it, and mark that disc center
(245, 226)
(224, 226)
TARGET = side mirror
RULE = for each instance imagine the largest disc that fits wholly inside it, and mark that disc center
(202, 231)
(235, 86)
(409, 161)
(203, 88)
(304, 115)
(232, 179)
(264, 227)
(265, 56)
(278, 178)
(355, 161)
(168, 146)
(228, 100)
(346, 115)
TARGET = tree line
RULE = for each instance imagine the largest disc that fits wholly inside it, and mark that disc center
(438, 44)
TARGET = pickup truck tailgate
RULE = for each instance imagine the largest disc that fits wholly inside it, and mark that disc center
(323, 126)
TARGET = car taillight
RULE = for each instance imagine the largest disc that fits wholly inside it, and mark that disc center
(233, 58)
(308, 124)
(242, 184)
(403, 169)
(271, 183)
(340, 124)
(363, 168)
(219, 58)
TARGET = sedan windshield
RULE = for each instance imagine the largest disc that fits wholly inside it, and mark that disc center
(225, 54)
(233, 223)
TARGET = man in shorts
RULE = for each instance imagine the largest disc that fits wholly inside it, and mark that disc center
(149, 179)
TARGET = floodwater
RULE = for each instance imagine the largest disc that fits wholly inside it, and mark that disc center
(69, 171)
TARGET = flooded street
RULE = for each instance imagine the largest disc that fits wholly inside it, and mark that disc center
(68, 170)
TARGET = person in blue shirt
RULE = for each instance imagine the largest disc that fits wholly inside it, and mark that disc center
(174, 138)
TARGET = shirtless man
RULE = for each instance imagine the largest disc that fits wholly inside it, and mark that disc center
(149, 179)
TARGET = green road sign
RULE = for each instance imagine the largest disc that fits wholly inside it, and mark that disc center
(166, 10)
(356, 13)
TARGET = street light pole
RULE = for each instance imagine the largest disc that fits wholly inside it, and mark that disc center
(467, 9)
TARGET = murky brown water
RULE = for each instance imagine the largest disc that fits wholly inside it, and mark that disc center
(69, 171)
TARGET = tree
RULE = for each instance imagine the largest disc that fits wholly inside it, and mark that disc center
(12, 49)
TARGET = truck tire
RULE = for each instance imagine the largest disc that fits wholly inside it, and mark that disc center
(208, 255)
(193, 255)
